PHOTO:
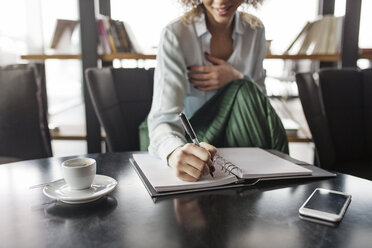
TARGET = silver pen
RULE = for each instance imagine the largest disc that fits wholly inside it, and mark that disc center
(190, 131)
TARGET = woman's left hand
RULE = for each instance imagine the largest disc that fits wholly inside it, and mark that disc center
(212, 77)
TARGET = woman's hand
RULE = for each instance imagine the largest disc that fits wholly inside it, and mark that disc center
(191, 161)
(212, 77)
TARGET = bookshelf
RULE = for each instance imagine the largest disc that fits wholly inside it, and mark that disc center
(103, 57)
(90, 57)
(72, 132)
(137, 56)
(317, 57)
(366, 56)
(50, 56)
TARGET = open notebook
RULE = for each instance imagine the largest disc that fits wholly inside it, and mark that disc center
(233, 166)
(249, 163)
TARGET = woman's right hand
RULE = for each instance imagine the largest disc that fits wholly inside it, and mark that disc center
(191, 161)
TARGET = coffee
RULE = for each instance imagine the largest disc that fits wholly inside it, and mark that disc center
(79, 173)
(77, 163)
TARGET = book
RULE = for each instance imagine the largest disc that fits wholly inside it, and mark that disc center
(115, 36)
(126, 42)
(298, 40)
(109, 33)
(123, 43)
(322, 36)
(103, 44)
(134, 44)
(365, 50)
(235, 167)
(335, 40)
(63, 31)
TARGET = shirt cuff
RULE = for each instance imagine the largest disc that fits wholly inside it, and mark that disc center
(166, 147)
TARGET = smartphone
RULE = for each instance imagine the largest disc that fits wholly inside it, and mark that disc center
(324, 204)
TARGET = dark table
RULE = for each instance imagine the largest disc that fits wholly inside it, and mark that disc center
(262, 216)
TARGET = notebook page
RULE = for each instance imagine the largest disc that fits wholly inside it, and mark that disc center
(257, 163)
(163, 178)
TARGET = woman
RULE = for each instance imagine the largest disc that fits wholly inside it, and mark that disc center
(207, 61)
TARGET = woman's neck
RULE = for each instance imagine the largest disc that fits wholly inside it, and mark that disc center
(221, 41)
(219, 28)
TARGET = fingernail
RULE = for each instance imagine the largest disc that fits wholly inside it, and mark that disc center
(206, 53)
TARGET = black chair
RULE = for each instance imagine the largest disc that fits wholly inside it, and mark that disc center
(338, 109)
(122, 99)
(24, 132)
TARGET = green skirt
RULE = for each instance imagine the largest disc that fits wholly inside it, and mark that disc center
(239, 115)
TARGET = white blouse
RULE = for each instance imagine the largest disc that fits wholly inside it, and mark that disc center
(182, 45)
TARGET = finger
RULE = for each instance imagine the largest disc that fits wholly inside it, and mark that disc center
(200, 68)
(193, 159)
(211, 149)
(202, 83)
(190, 159)
(204, 166)
(186, 177)
(200, 76)
(195, 162)
(192, 171)
(207, 88)
(206, 169)
(197, 151)
(214, 60)
(211, 166)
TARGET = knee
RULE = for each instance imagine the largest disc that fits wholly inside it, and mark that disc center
(248, 89)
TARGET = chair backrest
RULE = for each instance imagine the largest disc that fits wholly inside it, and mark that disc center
(342, 92)
(24, 129)
(312, 104)
(122, 99)
(367, 97)
(339, 113)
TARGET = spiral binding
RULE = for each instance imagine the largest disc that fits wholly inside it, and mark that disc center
(225, 165)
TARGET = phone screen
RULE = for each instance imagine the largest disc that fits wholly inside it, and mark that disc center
(326, 201)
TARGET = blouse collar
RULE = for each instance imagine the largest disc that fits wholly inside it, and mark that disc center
(201, 25)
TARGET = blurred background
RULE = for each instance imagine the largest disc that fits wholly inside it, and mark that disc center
(28, 27)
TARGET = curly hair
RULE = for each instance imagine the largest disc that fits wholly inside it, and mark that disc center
(196, 8)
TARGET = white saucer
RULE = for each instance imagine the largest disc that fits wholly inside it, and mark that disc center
(59, 190)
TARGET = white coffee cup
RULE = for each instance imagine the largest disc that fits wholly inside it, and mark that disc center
(79, 173)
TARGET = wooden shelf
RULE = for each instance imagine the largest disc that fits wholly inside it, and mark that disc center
(366, 56)
(104, 57)
(320, 57)
(299, 139)
(50, 56)
(111, 57)
(71, 132)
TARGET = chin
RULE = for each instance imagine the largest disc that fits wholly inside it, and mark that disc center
(223, 20)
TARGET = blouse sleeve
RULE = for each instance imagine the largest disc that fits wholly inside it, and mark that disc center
(165, 129)
(259, 72)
